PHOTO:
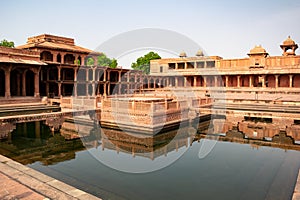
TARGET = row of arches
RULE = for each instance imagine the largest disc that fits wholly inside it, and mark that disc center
(21, 82)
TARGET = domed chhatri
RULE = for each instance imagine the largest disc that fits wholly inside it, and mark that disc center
(199, 53)
(289, 47)
(258, 50)
(182, 54)
(289, 41)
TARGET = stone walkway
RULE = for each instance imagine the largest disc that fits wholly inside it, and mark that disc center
(20, 182)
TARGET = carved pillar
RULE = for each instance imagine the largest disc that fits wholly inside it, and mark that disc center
(238, 81)
(204, 81)
(184, 81)
(216, 81)
(75, 82)
(176, 65)
(195, 81)
(59, 73)
(276, 81)
(87, 82)
(263, 81)
(291, 80)
(226, 81)
(7, 82)
(250, 81)
(36, 84)
(63, 58)
(176, 81)
(94, 82)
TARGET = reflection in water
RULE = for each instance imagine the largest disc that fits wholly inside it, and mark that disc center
(244, 169)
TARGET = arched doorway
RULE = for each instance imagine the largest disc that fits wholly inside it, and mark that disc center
(2, 83)
(46, 56)
(69, 59)
(29, 83)
(15, 82)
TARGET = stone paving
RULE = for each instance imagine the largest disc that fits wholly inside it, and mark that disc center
(20, 182)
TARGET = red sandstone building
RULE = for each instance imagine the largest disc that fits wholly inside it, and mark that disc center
(49, 65)
(258, 70)
(53, 66)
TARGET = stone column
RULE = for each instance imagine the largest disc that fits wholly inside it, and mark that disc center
(168, 81)
(184, 81)
(93, 82)
(263, 81)
(176, 81)
(216, 81)
(205, 81)
(238, 81)
(36, 84)
(119, 77)
(226, 81)
(291, 80)
(195, 81)
(250, 81)
(62, 58)
(148, 83)
(75, 82)
(87, 82)
(59, 73)
(54, 57)
(176, 65)
(7, 82)
(59, 89)
(276, 81)
(185, 65)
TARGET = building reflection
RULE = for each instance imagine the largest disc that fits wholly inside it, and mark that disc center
(36, 142)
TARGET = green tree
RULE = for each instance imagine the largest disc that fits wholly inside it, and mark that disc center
(90, 62)
(114, 63)
(103, 60)
(143, 63)
(6, 43)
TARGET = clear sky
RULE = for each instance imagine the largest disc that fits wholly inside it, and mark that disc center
(228, 28)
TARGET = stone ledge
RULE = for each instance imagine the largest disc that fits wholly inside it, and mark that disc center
(41, 183)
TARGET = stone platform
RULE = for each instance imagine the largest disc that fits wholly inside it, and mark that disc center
(20, 182)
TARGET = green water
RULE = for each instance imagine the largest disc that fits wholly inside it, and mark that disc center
(228, 171)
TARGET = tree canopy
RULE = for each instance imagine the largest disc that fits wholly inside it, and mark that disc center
(143, 62)
(103, 60)
(6, 43)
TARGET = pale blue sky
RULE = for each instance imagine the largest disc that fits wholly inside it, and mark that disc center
(225, 28)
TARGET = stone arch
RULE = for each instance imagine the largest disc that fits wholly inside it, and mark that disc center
(270, 81)
(58, 58)
(296, 81)
(284, 80)
(46, 56)
(15, 82)
(2, 83)
(69, 58)
(29, 83)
